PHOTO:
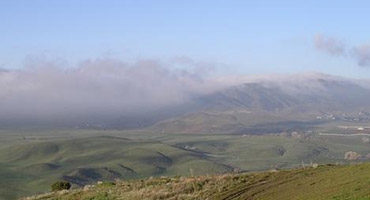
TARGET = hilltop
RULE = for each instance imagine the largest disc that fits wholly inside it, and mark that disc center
(322, 182)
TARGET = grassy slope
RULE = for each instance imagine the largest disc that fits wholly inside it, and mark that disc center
(31, 166)
(35, 166)
(324, 182)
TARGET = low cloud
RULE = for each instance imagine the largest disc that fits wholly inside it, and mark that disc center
(336, 47)
(362, 54)
(330, 45)
(44, 91)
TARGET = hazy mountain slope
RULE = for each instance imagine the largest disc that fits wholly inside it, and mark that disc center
(324, 182)
(238, 108)
(284, 93)
(250, 100)
(251, 96)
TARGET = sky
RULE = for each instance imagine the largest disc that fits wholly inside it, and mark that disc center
(235, 37)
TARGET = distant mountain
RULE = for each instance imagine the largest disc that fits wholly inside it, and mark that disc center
(303, 97)
(252, 96)
(240, 105)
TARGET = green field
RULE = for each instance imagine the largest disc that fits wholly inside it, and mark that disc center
(31, 160)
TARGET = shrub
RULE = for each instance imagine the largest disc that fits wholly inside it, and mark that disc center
(60, 185)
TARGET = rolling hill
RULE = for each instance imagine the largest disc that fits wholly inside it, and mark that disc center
(31, 166)
(35, 166)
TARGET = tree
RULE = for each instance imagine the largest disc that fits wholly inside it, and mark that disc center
(60, 185)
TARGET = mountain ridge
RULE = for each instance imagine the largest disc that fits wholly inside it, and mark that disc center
(272, 100)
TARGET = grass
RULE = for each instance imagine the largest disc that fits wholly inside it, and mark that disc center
(86, 160)
(324, 182)
(30, 166)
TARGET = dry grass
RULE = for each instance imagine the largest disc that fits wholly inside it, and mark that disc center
(323, 182)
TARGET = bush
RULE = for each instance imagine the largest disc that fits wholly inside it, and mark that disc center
(60, 185)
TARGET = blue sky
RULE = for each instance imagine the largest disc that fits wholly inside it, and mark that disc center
(240, 37)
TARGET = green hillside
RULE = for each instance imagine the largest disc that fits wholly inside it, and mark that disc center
(29, 166)
(35, 166)
(323, 182)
